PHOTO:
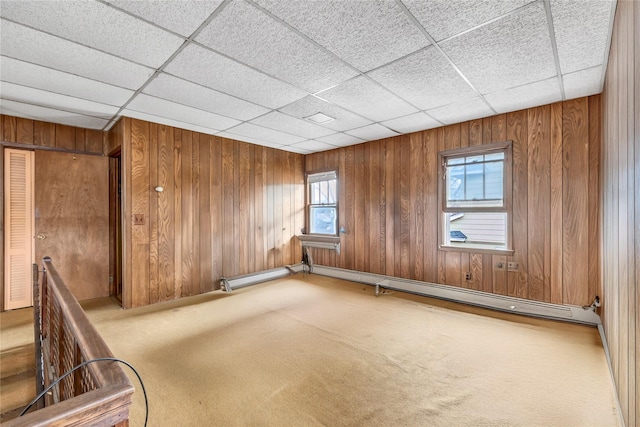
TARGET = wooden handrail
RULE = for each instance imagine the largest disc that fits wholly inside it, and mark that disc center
(98, 394)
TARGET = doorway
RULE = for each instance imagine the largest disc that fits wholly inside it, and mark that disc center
(115, 226)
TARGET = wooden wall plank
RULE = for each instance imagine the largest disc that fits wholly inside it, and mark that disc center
(65, 137)
(431, 210)
(94, 140)
(416, 206)
(389, 205)
(557, 197)
(217, 223)
(187, 214)
(595, 137)
(204, 227)
(139, 255)
(359, 208)
(539, 200)
(24, 131)
(516, 131)
(228, 238)
(177, 210)
(277, 206)
(575, 204)
(44, 133)
(9, 129)
(375, 236)
(154, 294)
(166, 214)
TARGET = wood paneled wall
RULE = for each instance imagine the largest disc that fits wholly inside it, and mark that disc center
(34, 134)
(228, 208)
(388, 204)
(621, 207)
(45, 134)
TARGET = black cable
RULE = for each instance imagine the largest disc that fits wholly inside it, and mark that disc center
(99, 359)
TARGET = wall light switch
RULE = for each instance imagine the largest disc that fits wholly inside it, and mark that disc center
(138, 219)
(513, 266)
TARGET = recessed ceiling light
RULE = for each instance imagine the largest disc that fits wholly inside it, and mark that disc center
(319, 118)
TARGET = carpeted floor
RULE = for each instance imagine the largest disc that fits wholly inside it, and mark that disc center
(317, 351)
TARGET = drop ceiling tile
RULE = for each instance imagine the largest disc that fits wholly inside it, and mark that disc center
(426, 79)
(506, 53)
(55, 101)
(311, 145)
(581, 28)
(364, 34)
(96, 25)
(446, 18)
(461, 111)
(364, 97)
(162, 108)
(372, 132)
(282, 122)
(341, 139)
(525, 96)
(187, 93)
(26, 44)
(36, 112)
(38, 77)
(182, 17)
(265, 134)
(213, 70)
(310, 105)
(254, 38)
(168, 122)
(582, 83)
(412, 123)
(244, 138)
(295, 149)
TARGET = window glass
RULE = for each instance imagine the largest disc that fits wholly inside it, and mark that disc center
(322, 209)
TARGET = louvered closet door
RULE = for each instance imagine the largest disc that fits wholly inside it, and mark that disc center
(19, 224)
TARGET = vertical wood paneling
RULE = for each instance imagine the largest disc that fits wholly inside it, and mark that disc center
(539, 200)
(217, 230)
(620, 189)
(24, 131)
(416, 214)
(374, 217)
(44, 133)
(595, 136)
(177, 210)
(139, 254)
(557, 195)
(204, 227)
(65, 137)
(228, 237)
(166, 214)
(359, 208)
(516, 131)
(389, 204)
(430, 140)
(9, 128)
(153, 215)
(575, 204)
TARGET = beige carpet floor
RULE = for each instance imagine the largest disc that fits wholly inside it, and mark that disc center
(310, 350)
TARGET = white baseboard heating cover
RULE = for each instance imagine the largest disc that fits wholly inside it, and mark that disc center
(567, 313)
(231, 283)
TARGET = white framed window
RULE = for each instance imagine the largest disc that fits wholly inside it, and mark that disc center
(475, 198)
(322, 205)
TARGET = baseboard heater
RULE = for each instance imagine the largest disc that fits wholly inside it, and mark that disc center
(228, 284)
(507, 304)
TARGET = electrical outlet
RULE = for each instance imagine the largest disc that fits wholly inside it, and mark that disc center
(138, 219)
(513, 266)
(467, 276)
(500, 266)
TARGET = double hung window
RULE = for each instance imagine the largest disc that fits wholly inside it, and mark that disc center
(322, 206)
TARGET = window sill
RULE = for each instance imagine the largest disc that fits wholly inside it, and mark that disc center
(466, 247)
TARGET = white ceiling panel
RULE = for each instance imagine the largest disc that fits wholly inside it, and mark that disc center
(461, 111)
(210, 69)
(254, 38)
(426, 79)
(168, 122)
(244, 138)
(38, 77)
(96, 25)
(36, 112)
(296, 149)
(525, 96)
(171, 110)
(265, 134)
(310, 105)
(364, 97)
(412, 123)
(187, 93)
(582, 83)
(341, 139)
(581, 28)
(43, 98)
(29, 45)
(311, 146)
(282, 122)
(372, 132)
(182, 17)
(511, 52)
(364, 34)
(446, 18)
